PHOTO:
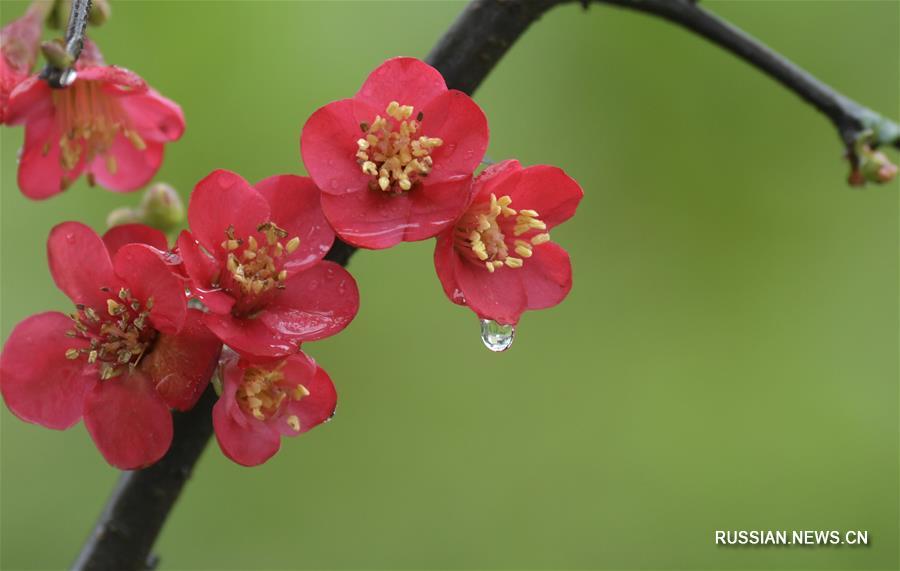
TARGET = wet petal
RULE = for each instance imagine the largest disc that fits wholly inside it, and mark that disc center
(328, 146)
(128, 420)
(406, 80)
(126, 167)
(316, 407)
(315, 304)
(153, 116)
(456, 119)
(497, 295)
(244, 440)
(545, 189)
(181, 365)
(369, 218)
(295, 206)
(39, 384)
(547, 276)
(224, 199)
(80, 264)
(118, 236)
(445, 265)
(149, 277)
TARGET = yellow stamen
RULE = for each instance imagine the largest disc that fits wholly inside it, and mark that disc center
(392, 154)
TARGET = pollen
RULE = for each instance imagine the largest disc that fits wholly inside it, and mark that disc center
(118, 338)
(263, 392)
(495, 235)
(90, 120)
(393, 152)
(254, 264)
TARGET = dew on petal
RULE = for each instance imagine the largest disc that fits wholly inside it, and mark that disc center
(496, 336)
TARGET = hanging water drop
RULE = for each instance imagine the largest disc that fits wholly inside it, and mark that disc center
(496, 336)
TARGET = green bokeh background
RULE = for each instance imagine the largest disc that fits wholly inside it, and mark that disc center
(727, 359)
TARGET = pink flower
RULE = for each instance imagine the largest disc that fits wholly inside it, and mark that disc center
(19, 42)
(395, 162)
(497, 258)
(261, 402)
(129, 352)
(108, 124)
(254, 257)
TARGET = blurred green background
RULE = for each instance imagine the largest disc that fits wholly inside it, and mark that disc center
(728, 357)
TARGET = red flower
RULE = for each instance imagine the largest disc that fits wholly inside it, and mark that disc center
(254, 259)
(129, 352)
(498, 259)
(395, 162)
(108, 124)
(19, 42)
(261, 402)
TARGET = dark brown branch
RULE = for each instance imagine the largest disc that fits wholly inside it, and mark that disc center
(465, 55)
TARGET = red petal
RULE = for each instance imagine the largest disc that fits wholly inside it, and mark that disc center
(497, 295)
(294, 203)
(31, 99)
(134, 167)
(224, 199)
(153, 116)
(315, 408)
(435, 206)
(249, 337)
(328, 146)
(316, 303)
(200, 266)
(456, 119)
(41, 174)
(128, 420)
(114, 77)
(548, 190)
(406, 80)
(546, 276)
(369, 218)
(148, 276)
(119, 236)
(38, 382)
(80, 264)
(250, 442)
(181, 365)
(488, 181)
(445, 265)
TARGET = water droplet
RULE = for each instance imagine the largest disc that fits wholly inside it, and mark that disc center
(496, 336)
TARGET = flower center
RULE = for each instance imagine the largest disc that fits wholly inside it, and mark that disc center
(391, 153)
(89, 120)
(262, 394)
(483, 234)
(254, 267)
(118, 337)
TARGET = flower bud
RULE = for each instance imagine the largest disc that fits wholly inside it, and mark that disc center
(56, 55)
(58, 18)
(161, 207)
(871, 166)
(121, 216)
(100, 12)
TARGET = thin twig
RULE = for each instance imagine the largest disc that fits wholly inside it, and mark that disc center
(58, 77)
(849, 117)
(465, 55)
